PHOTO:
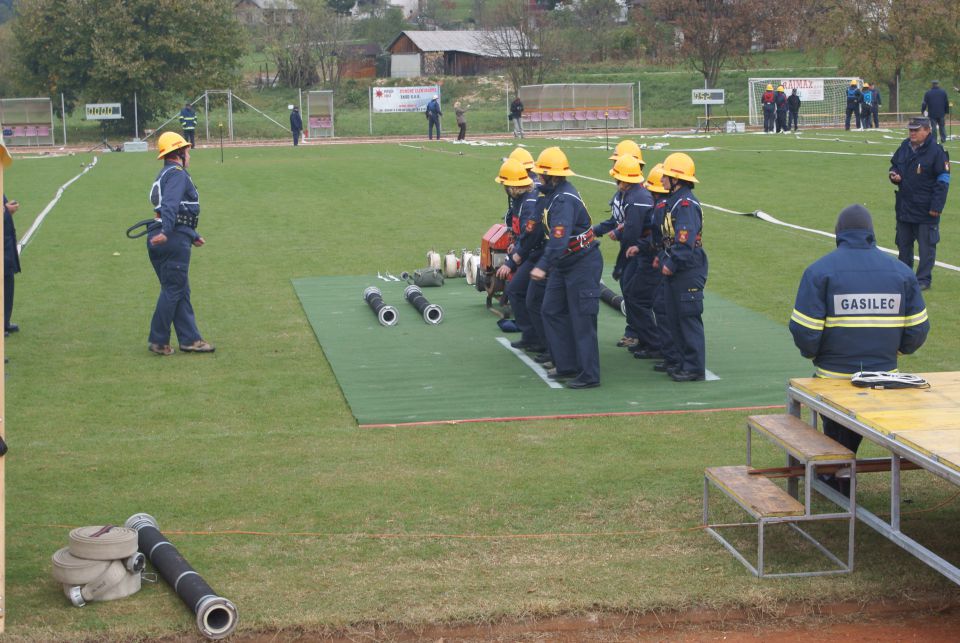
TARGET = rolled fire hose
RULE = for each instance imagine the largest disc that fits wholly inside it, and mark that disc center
(432, 313)
(451, 268)
(386, 315)
(100, 564)
(613, 299)
(216, 616)
(433, 259)
(469, 267)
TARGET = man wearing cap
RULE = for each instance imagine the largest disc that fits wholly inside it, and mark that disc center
(856, 309)
(935, 106)
(854, 97)
(920, 168)
(296, 125)
(433, 116)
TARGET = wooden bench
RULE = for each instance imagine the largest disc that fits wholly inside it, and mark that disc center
(767, 503)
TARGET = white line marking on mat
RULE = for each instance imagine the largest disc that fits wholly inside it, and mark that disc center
(536, 368)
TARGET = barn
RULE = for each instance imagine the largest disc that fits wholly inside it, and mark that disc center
(453, 53)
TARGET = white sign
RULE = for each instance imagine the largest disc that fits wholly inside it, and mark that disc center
(402, 99)
(808, 89)
(103, 111)
(708, 97)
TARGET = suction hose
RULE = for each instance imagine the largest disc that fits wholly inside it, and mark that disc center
(386, 315)
(216, 616)
(432, 313)
(613, 299)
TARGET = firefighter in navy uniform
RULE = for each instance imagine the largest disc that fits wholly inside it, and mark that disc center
(526, 160)
(663, 340)
(769, 109)
(683, 263)
(780, 100)
(856, 309)
(526, 251)
(854, 98)
(572, 265)
(623, 269)
(176, 204)
(188, 123)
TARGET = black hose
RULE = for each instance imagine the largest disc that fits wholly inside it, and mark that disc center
(216, 616)
(613, 299)
(146, 224)
(386, 315)
(432, 313)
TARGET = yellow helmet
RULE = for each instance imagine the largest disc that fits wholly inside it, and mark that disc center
(513, 173)
(627, 169)
(780, 88)
(553, 162)
(769, 88)
(5, 158)
(170, 142)
(521, 154)
(680, 166)
(654, 181)
(626, 146)
(853, 82)
(866, 85)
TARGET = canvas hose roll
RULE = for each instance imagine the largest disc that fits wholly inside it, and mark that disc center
(216, 616)
(613, 299)
(386, 315)
(101, 563)
(432, 313)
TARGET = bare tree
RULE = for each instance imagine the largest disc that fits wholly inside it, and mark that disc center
(520, 36)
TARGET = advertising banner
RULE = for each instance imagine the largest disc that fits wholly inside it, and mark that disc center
(808, 89)
(386, 100)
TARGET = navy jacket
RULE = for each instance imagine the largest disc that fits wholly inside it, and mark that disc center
(925, 179)
(868, 97)
(174, 193)
(856, 308)
(529, 245)
(631, 216)
(296, 122)
(11, 258)
(188, 119)
(565, 217)
(935, 103)
(854, 97)
(433, 109)
(876, 97)
(793, 103)
(681, 230)
(781, 101)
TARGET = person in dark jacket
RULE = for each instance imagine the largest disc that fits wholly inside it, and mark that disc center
(920, 168)
(188, 122)
(11, 262)
(176, 204)
(876, 107)
(854, 98)
(936, 106)
(866, 106)
(296, 125)
(516, 116)
(433, 116)
(856, 309)
(769, 109)
(780, 100)
(793, 110)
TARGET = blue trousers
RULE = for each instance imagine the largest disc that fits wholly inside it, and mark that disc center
(937, 122)
(171, 262)
(854, 112)
(629, 270)
(571, 303)
(431, 123)
(639, 292)
(296, 137)
(664, 324)
(684, 302)
(517, 291)
(926, 236)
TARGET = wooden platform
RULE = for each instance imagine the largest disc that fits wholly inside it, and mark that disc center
(798, 438)
(758, 495)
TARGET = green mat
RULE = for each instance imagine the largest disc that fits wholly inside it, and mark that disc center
(463, 368)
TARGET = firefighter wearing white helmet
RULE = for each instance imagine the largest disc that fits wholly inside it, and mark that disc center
(572, 265)
(176, 206)
(683, 264)
(525, 296)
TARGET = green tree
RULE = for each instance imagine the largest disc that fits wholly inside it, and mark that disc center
(105, 50)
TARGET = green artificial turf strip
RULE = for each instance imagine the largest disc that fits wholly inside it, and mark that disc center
(415, 372)
(258, 436)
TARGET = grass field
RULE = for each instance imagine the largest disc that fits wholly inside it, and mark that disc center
(469, 523)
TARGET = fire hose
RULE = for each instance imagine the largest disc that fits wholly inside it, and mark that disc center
(146, 224)
(613, 299)
(432, 313)
(216, 616)
(386, 315)
(101, 563)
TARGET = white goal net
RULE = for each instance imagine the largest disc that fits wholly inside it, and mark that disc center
(823, 101)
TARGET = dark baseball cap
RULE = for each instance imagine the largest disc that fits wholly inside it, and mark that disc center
(917, 123)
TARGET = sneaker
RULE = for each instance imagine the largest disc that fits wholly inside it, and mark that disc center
(198, 346)
(627, 342)
(161, 349)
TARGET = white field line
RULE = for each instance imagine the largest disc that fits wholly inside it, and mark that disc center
(536, 368)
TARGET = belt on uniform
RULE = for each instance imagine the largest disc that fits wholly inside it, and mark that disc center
(187, 219)
(581, 241)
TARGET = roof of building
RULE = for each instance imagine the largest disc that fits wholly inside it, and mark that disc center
(471, 42)
(272, 4)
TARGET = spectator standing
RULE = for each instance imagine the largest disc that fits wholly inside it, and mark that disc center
(935, 106)
(780, 100)
(11, 262)
(890, 316)
(296, 125)
(433, 116)
(460, 112)
(876, 107)
(769, 109)
(793, 110)
(921, 169)
(516, 115)
(854, 98)
(188, 122)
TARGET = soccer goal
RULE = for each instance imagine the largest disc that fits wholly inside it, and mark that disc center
(822, 100)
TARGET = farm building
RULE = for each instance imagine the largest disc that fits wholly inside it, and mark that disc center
(453, 53)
